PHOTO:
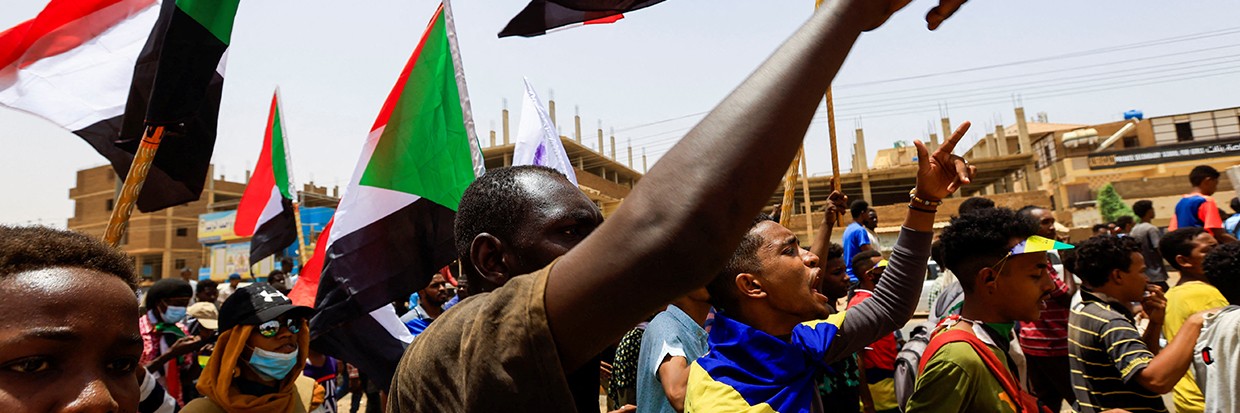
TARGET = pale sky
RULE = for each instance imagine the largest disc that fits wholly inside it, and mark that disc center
(335, 62)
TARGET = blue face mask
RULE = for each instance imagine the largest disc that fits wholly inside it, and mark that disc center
(271, 365)
(174, 314)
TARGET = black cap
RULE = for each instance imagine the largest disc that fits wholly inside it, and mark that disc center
(258, 303)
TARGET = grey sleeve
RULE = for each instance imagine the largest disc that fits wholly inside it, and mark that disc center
(894, 299)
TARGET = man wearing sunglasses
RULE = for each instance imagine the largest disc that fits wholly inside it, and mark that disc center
(258, 357)
(1002, 267)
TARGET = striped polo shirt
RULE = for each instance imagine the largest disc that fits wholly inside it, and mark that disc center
(1106, 355)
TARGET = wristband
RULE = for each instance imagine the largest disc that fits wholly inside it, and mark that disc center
(912, 197)
(928, 211)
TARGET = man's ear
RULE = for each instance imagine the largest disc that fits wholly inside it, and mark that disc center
(1117, 277)
(987, 278)
(749, 285)
(1183, 261)
(486, 254)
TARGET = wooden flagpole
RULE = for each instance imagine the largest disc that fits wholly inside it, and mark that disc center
(809, 216)
(138, 171)
(301, 238)
(790, 190)
(835, 157)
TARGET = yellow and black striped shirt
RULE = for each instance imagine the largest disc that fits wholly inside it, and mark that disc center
(1105, 355)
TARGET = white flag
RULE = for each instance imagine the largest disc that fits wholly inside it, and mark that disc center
(538, 143)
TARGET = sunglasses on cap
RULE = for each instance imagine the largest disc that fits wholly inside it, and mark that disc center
(1030, 245)
(269, 329)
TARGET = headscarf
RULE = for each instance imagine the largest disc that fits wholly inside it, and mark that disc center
(216, 381)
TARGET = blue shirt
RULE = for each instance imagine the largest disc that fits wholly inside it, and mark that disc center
(854, 237)
(670, 333)
(1230, 224)
(747, 367)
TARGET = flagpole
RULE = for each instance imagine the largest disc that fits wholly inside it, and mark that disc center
(288, 169)
(809, 220)
(138, 170)
(835, 157)
(475, 147)
(301, 238)
(790, 190)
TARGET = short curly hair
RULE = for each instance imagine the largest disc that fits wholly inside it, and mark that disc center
(34, 248)
(858, 207)
(744, 259)
(1098, 256)
(834, 251)
(1222, 270)
(974, 204)
(496, 203)
(1141, 207)
(1178, 242)
(978, 239)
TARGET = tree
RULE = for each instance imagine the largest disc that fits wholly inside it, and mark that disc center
(1111, 205)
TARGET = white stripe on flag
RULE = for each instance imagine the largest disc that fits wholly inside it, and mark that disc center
(87, 84)
(538, 142)
(386, 317)
(272, 209)
(362, 205)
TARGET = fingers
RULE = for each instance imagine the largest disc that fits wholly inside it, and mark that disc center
(944, 10)
(964, 171)
(923, 155)
(950, 144)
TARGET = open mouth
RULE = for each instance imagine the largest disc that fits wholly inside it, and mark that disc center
(816, 281)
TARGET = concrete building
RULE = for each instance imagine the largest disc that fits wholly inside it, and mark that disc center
(605, 176)
(164, 242)
(161, 243)
(1142, 158)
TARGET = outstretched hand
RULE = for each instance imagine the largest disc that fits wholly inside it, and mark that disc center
(942, 173)
(934, 18)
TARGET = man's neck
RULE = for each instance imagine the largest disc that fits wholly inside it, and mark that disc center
(1187, 276)
(431, 309)
(697, 310)
(1109, 290)
(766, 321)
(973, 309)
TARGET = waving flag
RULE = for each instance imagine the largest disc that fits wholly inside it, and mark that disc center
(393, 229)
(538, 142)
(266, 208)
(90, 67)
(542, 16)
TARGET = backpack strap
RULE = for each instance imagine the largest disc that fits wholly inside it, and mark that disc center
(992, 362)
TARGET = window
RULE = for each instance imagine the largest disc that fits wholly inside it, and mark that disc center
(1131, 142)
(110, 204)
(182, 232)
(1183, 132)
(180, 263)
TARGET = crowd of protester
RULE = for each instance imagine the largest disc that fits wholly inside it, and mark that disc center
(691, 302)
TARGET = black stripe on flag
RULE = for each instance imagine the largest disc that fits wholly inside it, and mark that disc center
(175, 84)
(274, 235)
(542, 15)
(371, 267)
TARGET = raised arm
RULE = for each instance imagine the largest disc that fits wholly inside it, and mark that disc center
(895, 297)
(678, 226)
(822, 239)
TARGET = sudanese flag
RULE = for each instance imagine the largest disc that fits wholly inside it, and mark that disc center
(544, 16)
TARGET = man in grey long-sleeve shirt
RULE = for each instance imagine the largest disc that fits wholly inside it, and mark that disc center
(768, 342)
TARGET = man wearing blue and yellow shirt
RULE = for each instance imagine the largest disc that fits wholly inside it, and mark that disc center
(769, 342)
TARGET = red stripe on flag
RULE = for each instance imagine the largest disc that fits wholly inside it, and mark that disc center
(394, 97)
(258, 191)
(307, 286)
(62, 26)
(605, 20)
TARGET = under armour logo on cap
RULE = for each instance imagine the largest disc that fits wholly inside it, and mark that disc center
(269, 296)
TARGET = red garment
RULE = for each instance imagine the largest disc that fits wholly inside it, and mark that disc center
(883, 355)
(170, 376)
(1048, 337)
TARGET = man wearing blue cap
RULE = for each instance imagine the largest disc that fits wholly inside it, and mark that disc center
(234, 282)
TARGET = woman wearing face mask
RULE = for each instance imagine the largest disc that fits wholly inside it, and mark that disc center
(258, 357)
(164, 342)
